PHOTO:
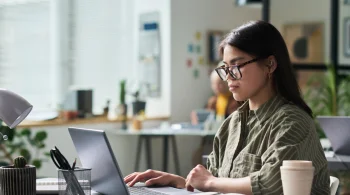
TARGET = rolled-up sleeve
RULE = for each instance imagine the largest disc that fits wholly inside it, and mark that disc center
(211, 164)
(268, 179)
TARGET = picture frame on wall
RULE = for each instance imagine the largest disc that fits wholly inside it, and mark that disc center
(214, 39)
(347, 37)
(305, 41)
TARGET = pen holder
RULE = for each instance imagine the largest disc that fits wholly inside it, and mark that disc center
(73, 182)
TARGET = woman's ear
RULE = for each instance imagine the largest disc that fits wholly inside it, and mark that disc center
(271, 64)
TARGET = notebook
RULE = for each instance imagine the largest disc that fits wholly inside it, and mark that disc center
(50, 186)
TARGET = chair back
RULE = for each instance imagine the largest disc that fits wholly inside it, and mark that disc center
(334, 182)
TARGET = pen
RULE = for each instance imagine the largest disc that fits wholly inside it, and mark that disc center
(75, 161)
(68, 172)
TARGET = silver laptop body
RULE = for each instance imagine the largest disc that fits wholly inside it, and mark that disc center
(95, 152)
(337, 130)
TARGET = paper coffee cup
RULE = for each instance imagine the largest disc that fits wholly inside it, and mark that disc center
(297, 177)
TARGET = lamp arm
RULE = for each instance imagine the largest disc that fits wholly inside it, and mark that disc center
(4, 137)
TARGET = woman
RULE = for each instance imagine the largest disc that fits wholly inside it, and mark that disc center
(274, 123)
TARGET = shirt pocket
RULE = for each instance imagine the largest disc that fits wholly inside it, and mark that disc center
(246, 163)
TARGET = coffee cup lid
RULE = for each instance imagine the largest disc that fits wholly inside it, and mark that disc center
(297, 163)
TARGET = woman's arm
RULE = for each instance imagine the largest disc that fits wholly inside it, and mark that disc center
(227, 185)
(200, 178)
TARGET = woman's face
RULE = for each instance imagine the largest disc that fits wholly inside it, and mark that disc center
(254, 75)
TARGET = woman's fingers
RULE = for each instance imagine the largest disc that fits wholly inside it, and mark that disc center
(161, 180)
(188, 186)
(141, 177)
(130, 177)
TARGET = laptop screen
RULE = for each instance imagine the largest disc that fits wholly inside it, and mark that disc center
(337, 130)
(94, 151)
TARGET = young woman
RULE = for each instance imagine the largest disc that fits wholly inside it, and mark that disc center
(274, 123)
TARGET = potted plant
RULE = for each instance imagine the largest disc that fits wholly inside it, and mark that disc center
(19, 178)
(138, 106)
(323, 98)
(25, 143)
(122, 107)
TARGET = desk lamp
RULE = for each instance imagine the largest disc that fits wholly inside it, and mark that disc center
(13, 108)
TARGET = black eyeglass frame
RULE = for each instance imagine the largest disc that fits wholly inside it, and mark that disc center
(238, 66)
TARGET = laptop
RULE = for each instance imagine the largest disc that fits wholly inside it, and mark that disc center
(337, 130)
(95, 152)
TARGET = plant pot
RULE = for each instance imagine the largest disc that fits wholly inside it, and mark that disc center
(138, 106)
(19, 181)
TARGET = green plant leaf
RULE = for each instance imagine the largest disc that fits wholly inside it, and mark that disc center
(25, 153)
(41, 145)
(22, 142)
(26, 132)
(37, 163)
(40, 136)
(15, 145)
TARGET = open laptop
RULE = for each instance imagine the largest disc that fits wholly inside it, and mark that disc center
(337, 130)
(95, 152)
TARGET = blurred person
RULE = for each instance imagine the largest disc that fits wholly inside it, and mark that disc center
(221, 103)
(273, 124)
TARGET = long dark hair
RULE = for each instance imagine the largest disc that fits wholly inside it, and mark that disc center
(262, 39)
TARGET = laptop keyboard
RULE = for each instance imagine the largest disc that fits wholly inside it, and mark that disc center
(143, 191)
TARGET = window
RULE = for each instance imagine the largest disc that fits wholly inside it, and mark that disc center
(25, 51)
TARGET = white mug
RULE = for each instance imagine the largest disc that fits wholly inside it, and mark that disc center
(297, 177)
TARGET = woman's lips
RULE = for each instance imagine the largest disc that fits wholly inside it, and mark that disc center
(233, 88)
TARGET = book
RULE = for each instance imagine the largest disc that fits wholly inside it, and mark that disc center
(50, 186)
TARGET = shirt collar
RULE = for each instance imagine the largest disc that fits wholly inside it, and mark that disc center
(268, 108)
(265, 110)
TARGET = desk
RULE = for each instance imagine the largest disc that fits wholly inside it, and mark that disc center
(166, 134)
(80, 121)
(335, 162)
(339, 162)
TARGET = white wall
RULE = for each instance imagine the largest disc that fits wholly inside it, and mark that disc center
(188, 17)
(99, 53)
(106, 49)
(159, 106)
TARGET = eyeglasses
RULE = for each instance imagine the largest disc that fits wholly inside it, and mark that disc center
(233, 70)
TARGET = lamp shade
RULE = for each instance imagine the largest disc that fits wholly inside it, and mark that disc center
(13, 108)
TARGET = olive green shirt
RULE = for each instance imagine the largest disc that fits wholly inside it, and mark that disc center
(255, 143)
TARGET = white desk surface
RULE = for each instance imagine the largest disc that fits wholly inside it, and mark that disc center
(168, 131)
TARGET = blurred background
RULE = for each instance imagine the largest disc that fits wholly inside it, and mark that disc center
(89, 63)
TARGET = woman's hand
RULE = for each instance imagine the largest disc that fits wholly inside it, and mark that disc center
(199, 178)
(152, 177)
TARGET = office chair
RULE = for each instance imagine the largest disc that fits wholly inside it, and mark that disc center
(334, 182)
